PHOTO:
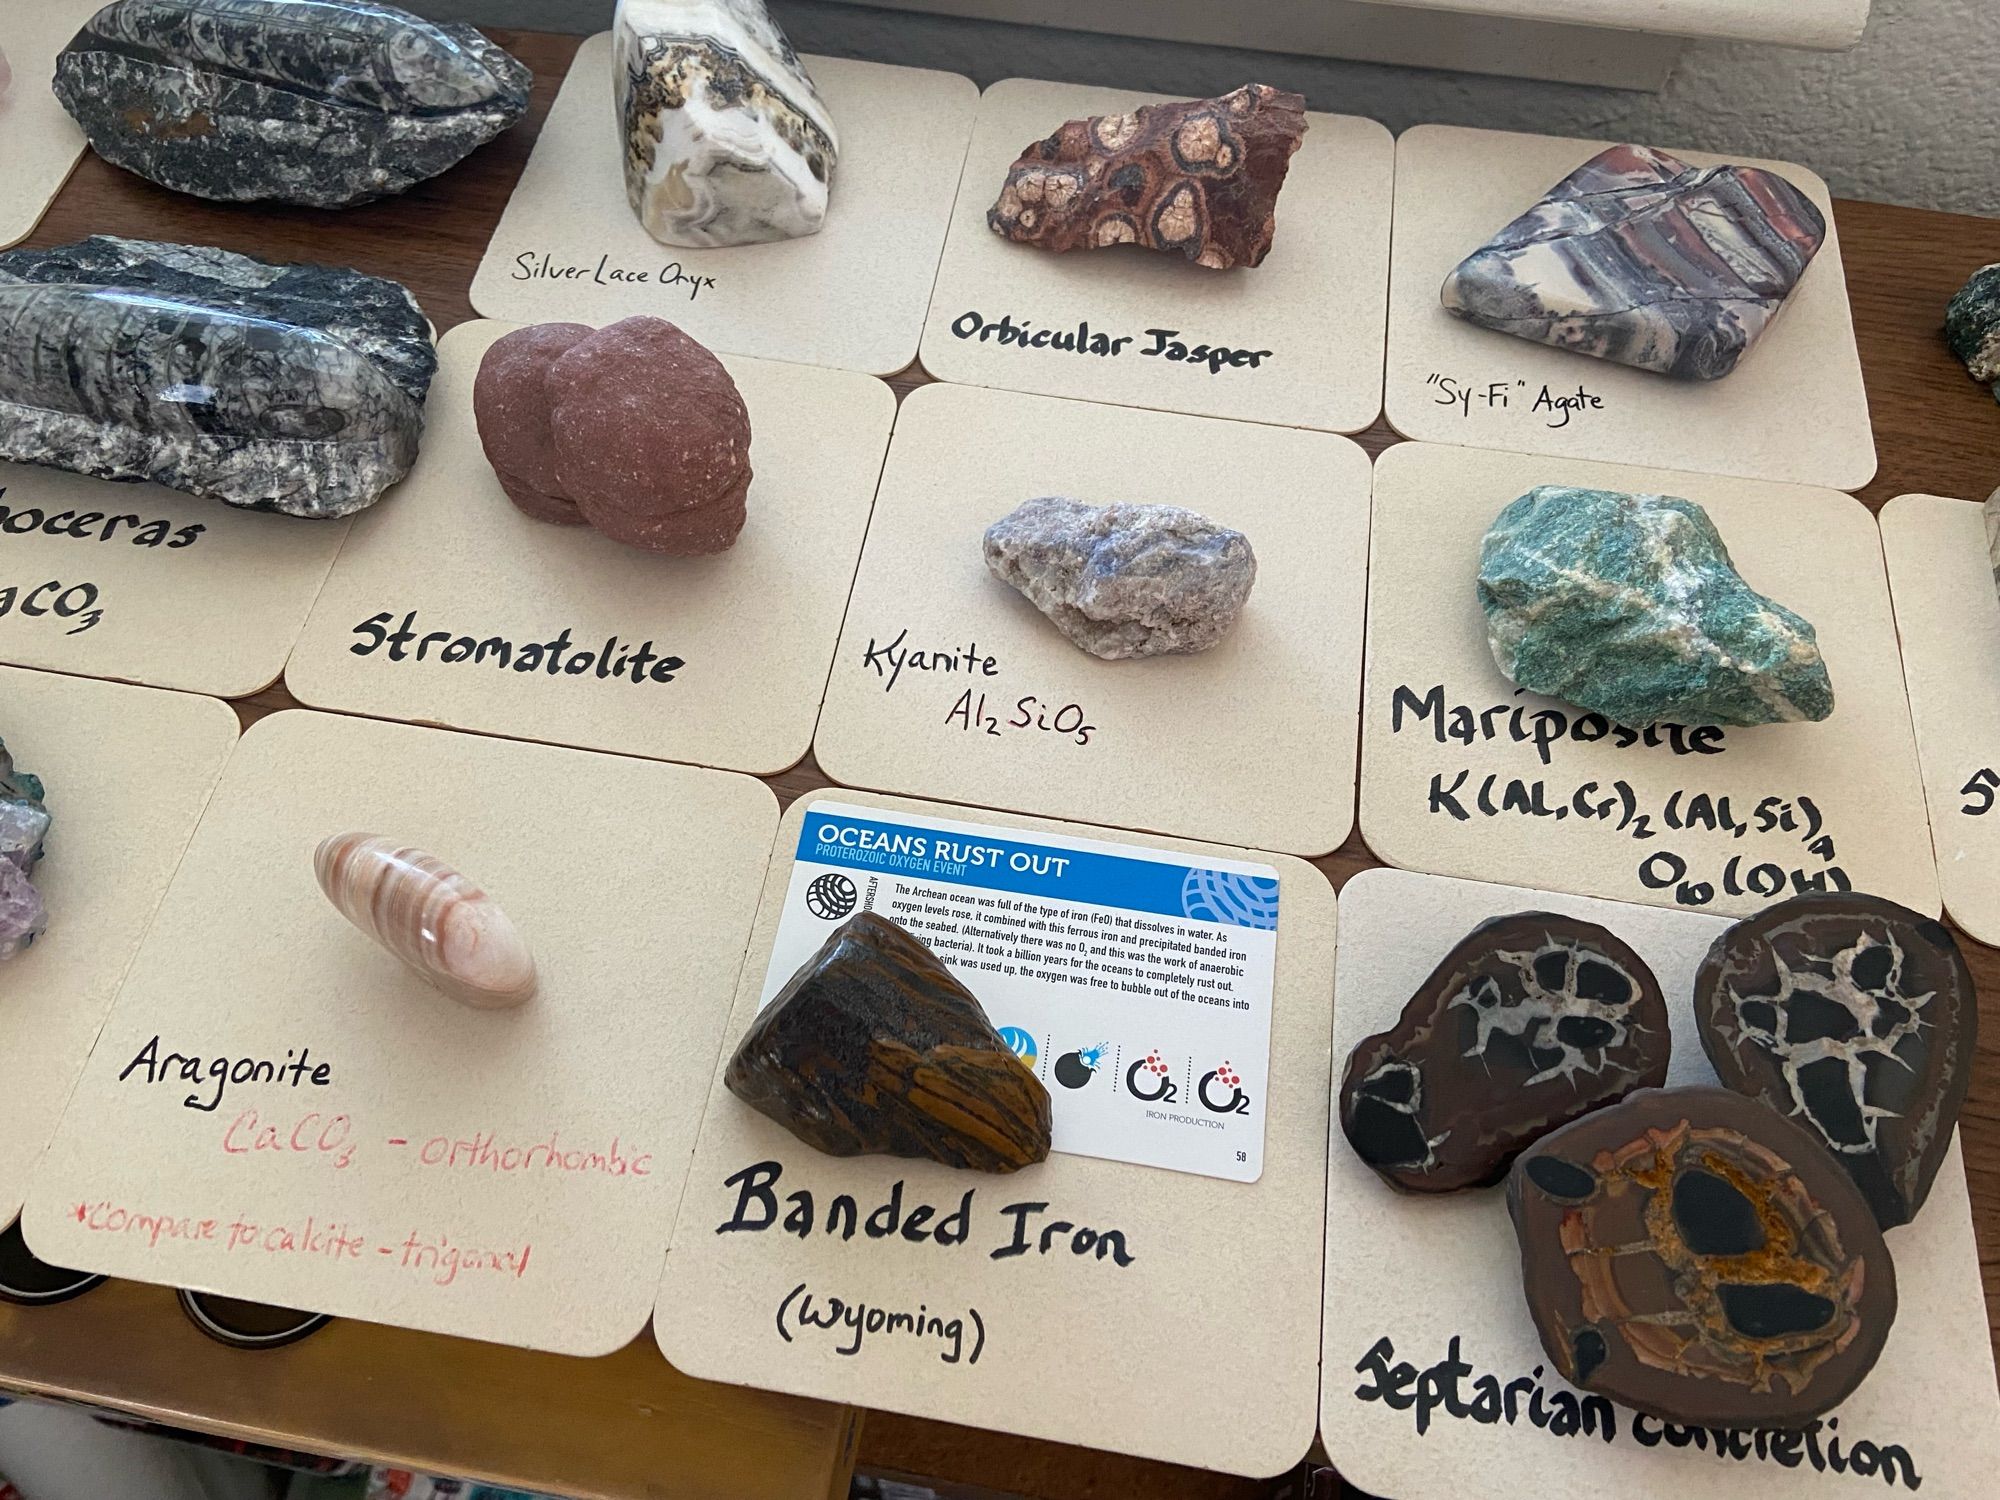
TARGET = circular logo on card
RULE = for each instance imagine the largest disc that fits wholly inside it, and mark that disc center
(830, 897)
(1075, 1069)
(1020, 1043)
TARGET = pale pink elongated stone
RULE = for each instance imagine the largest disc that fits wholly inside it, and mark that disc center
(431, 917)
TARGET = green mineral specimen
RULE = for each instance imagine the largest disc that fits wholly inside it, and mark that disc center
(1628, 605)
(1972, 326)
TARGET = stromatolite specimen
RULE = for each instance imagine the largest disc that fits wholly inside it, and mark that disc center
(1531, 1021)
(273, 387)
(1972, 326)
(1640, 258)
(1857, 1018)
(874, 1048)
(1125, 580)
(726, 140)
(634, 429)
(1629, 606)
(324, 103)
(24, 824)
(1694, 1255)
(1199, 179)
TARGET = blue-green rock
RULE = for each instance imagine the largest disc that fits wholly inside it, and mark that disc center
(1972, 326)
(1628, 605)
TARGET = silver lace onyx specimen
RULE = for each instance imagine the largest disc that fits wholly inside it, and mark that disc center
(290, 388)
(319, 102)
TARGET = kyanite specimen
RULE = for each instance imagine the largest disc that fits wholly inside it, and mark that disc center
(726, 140)
(635, 429)
(1640, 258)
(874, 1048)
(325, 103)
(1529, 1022)
(1858, 1019)
(1628, 606)
(1125, 580)
(24, 824)
(289, 388)
(1198, 179)
(1972, 326)
(1694, 1255)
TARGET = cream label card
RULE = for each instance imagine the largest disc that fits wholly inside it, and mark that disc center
(1135, 983)
(39, 142)
(1464, 774)
(450, 606)
(1949, 614)
(570, 249)
(278, 1109)
(1434, 1379)
(1451, 381)
(950, 683)
(127, 771)
(1181, 1307)
(128, 581)
(1297, 340)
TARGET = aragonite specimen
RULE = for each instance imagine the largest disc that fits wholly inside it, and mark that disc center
(1972, 326)
(1640, 258)
(1628, 606)
(1858, 1019)
(1125, 580)
(874, 1048)
(448, 930)
(1199, 179)
(294, 388)
(1694, 1255)
(325, 103)
(1529, 1022)
(726, 140)
(634, 429)
(24, 824)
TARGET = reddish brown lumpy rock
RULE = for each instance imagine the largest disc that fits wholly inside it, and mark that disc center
(1199, 179)
(634, 429)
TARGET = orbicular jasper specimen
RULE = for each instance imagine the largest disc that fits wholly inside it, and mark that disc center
(1858, 1019)
(874, 1048)
(325, 103)
(290, 388)
(1694, 1255)
(449, 931)
(1531, 1021)
(24, 824)
(1972, 326)
(1639, 258)
(1629, 606)
(1199, 179)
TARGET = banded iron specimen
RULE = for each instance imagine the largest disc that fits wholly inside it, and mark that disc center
(1199, 179)
(727, 141)
(1531, 1021)
(1639, 258)
(1972, 326)
(634, 429)
(874, 1048)
(1858, 1019)
(319, 102)
(1694, 1255)
(1629, 606)
(24, 824)
(290, 388)
(1125, 580)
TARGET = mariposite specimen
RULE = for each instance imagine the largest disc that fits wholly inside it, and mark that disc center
(24, 824)
(1640, 258)
(319, 102)
(726, 140)
(1856, 1018)
(1692, 1254)
(1629, 606)
(1972, 326)
(272, 387)
(875, 1048)
(1529, 1022)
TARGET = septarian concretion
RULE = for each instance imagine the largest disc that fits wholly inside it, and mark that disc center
(1640, 258)
(325, 104)
(726, 140)
(1857, 1018)
(24, 824)
(1694, 1255)
(1125, 580)
(290, 388)
(1531, 1021)
(1199, 179)
(1972, 326)
(874, 1048)
(1629, 606)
